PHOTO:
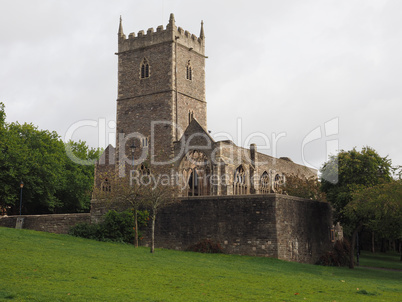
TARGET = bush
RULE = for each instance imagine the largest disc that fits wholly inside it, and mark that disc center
(206, 246)
(116, 227)
(85, 230)
(338, 256)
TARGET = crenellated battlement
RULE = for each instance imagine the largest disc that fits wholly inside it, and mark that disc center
(170, 34)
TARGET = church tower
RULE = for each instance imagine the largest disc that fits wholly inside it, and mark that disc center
(161, 88)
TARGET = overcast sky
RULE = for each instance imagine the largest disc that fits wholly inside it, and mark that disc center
(312, 76)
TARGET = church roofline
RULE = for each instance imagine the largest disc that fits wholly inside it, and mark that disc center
(195, 123)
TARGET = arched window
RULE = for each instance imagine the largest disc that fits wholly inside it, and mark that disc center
(193, 183)
(240, 181)
(196, 173)
(144, 69)
(189, 71)
(279, 181)
(265, 186)
(144, 142)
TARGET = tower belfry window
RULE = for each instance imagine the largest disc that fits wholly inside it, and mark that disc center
(144, 142)
(144, 69)
(189, 71)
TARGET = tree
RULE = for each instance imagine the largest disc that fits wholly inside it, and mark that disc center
(2, 115)
(34, 157)
(52, 182)
(77, 179)
(145, 189)
(304, 187)
(346, 173)
(116, 190)
(379, 208)
(160, 191)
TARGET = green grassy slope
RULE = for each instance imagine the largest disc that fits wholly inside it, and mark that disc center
(390, 260)
(39, 266)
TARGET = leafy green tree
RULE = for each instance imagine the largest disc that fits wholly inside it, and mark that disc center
(378, 208)
(53, 183)
(3, 159)
(34, 157)
(347, 173)
(351, 170)
(77, 179)
(303, 187)
(2, 115)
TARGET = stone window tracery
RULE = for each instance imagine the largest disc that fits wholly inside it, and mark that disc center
(195, 174)
(279, 181)
(240, 181)
(265, 185)
(144, 70)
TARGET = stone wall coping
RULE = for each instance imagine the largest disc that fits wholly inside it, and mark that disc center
(250, 197)
(246, 196)
(47, 215)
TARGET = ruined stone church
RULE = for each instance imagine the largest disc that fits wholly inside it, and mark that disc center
(229, 193)
(162, 119)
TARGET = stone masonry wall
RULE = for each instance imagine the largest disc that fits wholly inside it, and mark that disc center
(52, 223)
(136, 116)
(240, 224)
(270, 225)
(166, 95)
(159, 57)
(303, 228)
(191, 93)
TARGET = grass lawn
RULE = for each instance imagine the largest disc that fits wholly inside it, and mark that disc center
(389, 260)
(39, 266)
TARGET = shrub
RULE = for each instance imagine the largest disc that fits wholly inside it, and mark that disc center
(206, 246)
(85, 230)
(116, 227)
(338, 256)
